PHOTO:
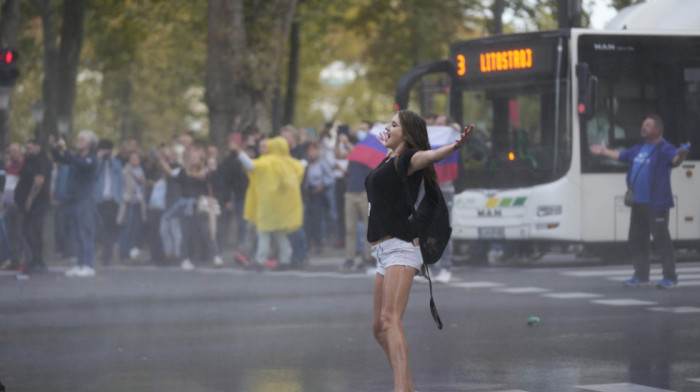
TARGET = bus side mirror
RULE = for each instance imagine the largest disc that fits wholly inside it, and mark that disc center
(587, 91)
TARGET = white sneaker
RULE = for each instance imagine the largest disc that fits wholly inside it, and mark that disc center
(187, 265)
(85, 272)
(134, 253)
(218, 262)
(73, 271)
(444, 276)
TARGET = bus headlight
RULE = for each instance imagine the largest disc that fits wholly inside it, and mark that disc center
(548, 210)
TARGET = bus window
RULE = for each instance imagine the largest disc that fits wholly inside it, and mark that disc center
(516, 142)
(638, 76)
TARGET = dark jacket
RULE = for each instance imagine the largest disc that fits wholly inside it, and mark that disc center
(80, 185)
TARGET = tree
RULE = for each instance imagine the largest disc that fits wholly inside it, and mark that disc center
(147, 62)
(60, 63)
(9, 24)
(246, 46)
(620, 4)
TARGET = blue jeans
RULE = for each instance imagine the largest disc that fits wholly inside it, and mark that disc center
(197, 227)
(6, 250)
(132, 230)
(300, 246)
(332, 211)
(81, 225)
(242, 224)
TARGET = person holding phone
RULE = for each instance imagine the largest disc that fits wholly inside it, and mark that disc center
(80, 200)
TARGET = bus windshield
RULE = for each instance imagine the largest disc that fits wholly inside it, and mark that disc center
(638, 76)
(521, 135)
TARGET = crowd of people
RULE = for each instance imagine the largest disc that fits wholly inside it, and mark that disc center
(265, 202)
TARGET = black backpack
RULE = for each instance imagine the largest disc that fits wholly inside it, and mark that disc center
(430, 223)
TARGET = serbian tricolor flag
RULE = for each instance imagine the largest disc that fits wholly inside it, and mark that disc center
(369, 151)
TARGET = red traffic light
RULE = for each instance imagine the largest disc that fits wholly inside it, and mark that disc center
(9, 56)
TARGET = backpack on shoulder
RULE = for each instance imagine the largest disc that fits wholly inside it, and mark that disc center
(430, 223)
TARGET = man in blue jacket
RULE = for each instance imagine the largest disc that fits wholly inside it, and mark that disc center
(80, 201)
(649, 176)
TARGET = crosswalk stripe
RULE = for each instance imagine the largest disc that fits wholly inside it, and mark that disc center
(622, 302)
(685, 277)
(522, 290)
(621, 387)
(476, 285)
(677, 309)
(571, 295)
(628, 271)
(594, 273)
(694, 379)
(512, 390)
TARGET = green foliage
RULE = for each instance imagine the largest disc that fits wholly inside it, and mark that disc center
(142, 71)
(620, 4)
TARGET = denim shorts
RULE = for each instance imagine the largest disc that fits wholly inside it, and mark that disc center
(396, 252)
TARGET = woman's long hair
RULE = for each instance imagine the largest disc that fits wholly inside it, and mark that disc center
(415, 133)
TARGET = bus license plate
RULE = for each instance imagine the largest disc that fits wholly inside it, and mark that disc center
(492, 232)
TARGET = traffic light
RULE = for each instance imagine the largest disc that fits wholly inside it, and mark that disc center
(8, 67)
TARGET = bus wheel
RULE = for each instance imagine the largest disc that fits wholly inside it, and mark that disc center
(470, 252)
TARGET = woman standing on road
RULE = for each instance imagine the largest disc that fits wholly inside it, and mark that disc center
(394, 246)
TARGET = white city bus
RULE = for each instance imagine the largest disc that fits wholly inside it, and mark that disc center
(538, 100)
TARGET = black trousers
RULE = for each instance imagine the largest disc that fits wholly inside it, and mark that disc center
(108, 230)
(33, 230)
(644, 222)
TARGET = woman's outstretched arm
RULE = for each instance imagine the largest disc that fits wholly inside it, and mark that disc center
(422, 159)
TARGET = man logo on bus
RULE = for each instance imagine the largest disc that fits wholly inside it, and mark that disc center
(489, 212)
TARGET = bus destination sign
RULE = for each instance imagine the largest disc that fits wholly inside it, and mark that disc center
(476, 62)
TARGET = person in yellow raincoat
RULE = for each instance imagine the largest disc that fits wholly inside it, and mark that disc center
(273, 199)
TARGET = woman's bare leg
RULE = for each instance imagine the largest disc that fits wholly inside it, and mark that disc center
(390, 300)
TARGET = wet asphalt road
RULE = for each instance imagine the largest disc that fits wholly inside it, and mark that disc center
(149, 329)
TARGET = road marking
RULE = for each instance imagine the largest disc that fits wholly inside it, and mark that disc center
(689, 277)
(571, 295)
(477, 285)
(621, 387)
(694, 379)
(677, 310)
(522, 290)
(682, 283)
(622, 302)
(628, 271)
(594, 273)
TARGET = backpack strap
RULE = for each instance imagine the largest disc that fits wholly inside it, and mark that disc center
(425, 270)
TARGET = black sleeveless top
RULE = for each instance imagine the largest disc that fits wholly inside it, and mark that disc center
(388, 209)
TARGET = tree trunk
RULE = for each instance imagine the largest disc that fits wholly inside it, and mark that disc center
(292, 73)
(69, 59)
(497, 9)
(225, 47)
(9, 24)
(243, 66)
(60, 66)
(47, 10)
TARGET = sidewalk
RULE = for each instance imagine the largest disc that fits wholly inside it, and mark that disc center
(329, 259)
